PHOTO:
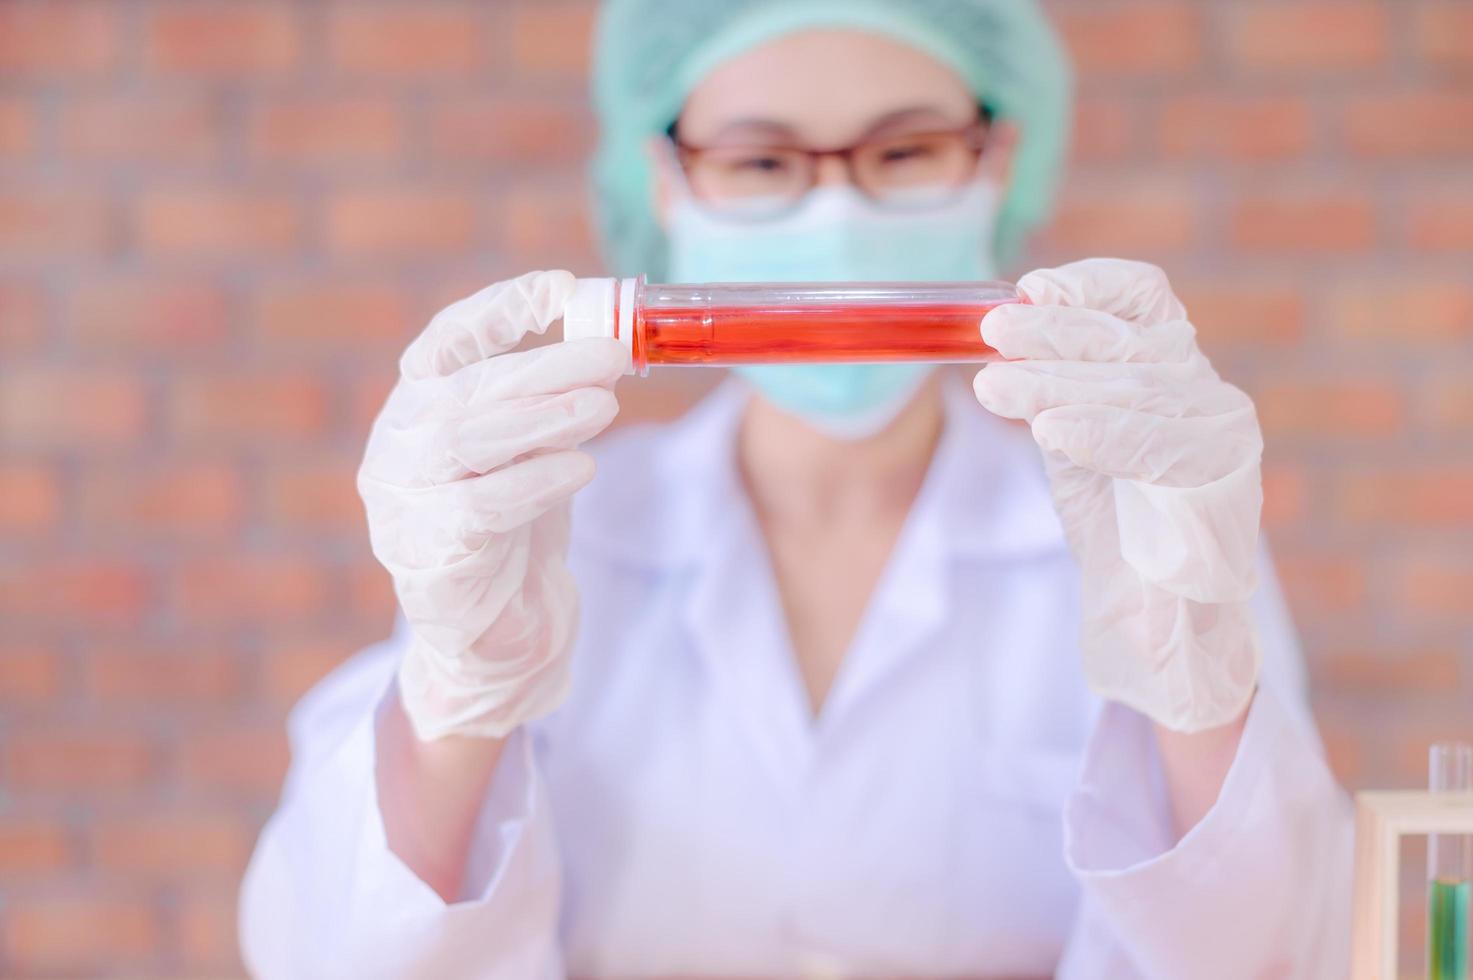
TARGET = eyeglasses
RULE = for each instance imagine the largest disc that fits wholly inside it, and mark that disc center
(764, 180)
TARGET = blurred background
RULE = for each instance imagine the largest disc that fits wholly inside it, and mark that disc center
(221, 221)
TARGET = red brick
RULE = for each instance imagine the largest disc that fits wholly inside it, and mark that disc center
(184, 499)
(1134, 39)
(1148, 216)
(1411, 910)
(173, 129)
(1447, 403)
(425, 40)
(68, 936)
(1441, 220)
(256, 408)
(179, 677)
(217, 222)
(1244, 313)
(251, 588)
(59, 40)
(1428, 587)
(223, 39)
(1415, 736)
(340, 318)
(1307, 37)
(75, 761)
(30, 499)
(1416, 126)
(44, 223)
(1443, 32)
(17, 129)
(104, 591)
(1340, 409)
(1305, 221)
(1247, 128)
(326, 131)
(248, 761)
(291, 665)
(1105, 129)
(30, 677)
(60, 408)
(1344, 749)
(400, 222)
(552, 39)
(371, 595)
(1406, 311)
(22, 317)
(1425, 496)
(1378, 671)
(543, 227)
(31, 845)
(521, 132)
(174, 845)
(1322, 584)
(169, 317)
(366, 399)
(455, 280)
(1285, 495)
(205, 931)
(315, 497)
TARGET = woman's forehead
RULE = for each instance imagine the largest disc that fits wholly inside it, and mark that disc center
(825, 86)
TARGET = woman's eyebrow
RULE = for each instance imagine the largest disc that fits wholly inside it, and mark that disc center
(777, 131)
(908, 115)
(755, 126)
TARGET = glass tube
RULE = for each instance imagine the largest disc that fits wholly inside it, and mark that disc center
(718, 324)
(1449, 870)
(785, 323)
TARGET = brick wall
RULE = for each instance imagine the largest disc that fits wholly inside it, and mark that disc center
(219, 223)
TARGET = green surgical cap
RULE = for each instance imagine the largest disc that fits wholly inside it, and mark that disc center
(649, 54)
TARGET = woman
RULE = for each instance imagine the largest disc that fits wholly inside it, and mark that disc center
(822, 712)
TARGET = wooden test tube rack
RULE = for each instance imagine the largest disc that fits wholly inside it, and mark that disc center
(1381, 820)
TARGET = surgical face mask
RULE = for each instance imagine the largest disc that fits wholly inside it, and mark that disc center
(836, 234)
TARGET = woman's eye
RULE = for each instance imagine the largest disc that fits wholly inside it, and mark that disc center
(905, 152)
(761, 165)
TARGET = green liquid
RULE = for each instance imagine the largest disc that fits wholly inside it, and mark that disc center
(1447, 930)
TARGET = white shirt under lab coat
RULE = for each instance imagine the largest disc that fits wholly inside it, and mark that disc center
(962, 806)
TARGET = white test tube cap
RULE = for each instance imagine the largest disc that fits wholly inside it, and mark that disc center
(591, 311)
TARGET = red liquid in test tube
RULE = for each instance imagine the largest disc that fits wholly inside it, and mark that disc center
(717, 324)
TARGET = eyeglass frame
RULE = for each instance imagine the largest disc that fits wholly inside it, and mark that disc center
(978, 129)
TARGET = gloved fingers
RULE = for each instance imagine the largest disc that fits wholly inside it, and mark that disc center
(545, 370)
(488, 322)
(1020, 331)
(517, 494)
(481, 442)
(1134, 291)
(437, 527)
(1023, 389)
(1128, 445)
(444, 429)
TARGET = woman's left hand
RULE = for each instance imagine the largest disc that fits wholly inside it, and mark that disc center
(1154, 465)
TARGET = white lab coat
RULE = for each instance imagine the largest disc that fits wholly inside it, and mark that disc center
(961, 807)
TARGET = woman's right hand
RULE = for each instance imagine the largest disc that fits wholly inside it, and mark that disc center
(466, 481)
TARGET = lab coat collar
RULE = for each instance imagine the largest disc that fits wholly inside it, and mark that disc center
(985, 497)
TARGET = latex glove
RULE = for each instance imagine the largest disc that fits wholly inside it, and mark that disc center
(466, 480)
(1153, 461)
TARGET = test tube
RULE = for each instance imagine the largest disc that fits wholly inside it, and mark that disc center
(1449, 870)
(718, 324)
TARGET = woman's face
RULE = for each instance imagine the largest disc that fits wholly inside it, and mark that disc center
(826, 88)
